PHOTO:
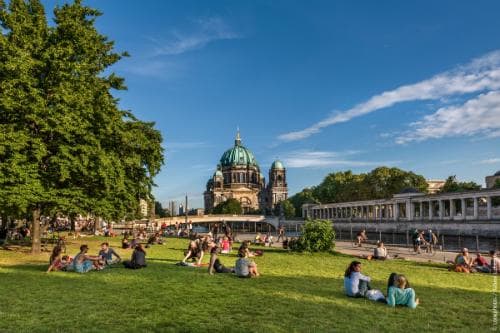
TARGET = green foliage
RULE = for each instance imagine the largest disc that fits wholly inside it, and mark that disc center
(65, 146)
(497, 184)
(159, 210)
(452, 185)
(303, 197)
(345, 186)
(286, 207)
(317, 236)
(230, 206)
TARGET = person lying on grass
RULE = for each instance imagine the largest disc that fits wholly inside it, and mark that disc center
(355, 283)
(138, 259)
(107, 254)
(400, 293)
(244, 267)
(84, 263)
(215, 265)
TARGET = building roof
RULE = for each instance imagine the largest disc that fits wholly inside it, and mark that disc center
(497, 173)
(409, 190)
(277, 165)
(238, 155)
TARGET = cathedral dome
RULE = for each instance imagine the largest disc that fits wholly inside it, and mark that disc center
(277, 165)
(238, 155)
(497, 173)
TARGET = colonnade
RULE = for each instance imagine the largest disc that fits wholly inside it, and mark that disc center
(473, 205)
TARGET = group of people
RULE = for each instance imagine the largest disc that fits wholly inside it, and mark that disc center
(84, 262)
(244, 267)
(398, 288)
(265, 240)
(427, 239)
(464, 263)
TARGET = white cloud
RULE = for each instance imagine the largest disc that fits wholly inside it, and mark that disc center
(327, 159)
(480, 115)
(481, 74)
(206, 31)
(489, 161)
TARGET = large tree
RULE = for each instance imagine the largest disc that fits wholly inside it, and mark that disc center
(453, 185)
(67, 146)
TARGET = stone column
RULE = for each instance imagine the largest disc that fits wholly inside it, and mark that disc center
(463, 203)
(476, 209)
(441, 209)
(411, 212)
(421, 210)
(452, 209)
(488, 208)
(396, 211)
(431, 210)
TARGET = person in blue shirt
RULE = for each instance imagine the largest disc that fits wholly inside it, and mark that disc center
(355, 283)
(400, 293)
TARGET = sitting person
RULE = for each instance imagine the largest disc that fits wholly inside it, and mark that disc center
(107, 254)
(226, 245)
(355, 283)
(125, 243)
(194, 252)
(463, 262)
(84, 263)
(215, 265)
(480, 264)
(258, 239)
(138, 259)
(244, 267)
(494, 263)
(400, 293)
(55, 260)
(380, 252)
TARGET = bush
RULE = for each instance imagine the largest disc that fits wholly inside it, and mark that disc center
(317, 236)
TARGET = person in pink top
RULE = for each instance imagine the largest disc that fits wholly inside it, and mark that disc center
(226, 245)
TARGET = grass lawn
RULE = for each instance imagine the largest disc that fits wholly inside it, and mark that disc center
(297, 292)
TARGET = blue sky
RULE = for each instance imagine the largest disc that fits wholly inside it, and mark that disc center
(322, 85)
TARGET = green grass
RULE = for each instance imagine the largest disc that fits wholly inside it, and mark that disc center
(297, 292)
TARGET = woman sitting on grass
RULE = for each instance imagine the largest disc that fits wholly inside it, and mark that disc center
(56, 262)
(244, 267)
(462, 263)
(400, 293)
(215, 264)
(138, 258)
(355, 283)
(194, 251)
(84, 263)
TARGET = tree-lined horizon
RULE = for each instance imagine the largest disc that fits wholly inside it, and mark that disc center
(65, 145)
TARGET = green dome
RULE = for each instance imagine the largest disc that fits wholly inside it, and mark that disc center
(277, 165)
(238, 155)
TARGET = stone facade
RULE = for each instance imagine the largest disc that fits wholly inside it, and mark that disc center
(491, 180)
(238, 176)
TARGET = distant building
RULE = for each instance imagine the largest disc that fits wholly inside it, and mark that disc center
(238, 176)
(181, 210)
(143, 205)
(434, 185)
(197, 211)
(491, 180)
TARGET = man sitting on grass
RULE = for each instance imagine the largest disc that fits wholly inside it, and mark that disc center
(107, 254)
(244, 267)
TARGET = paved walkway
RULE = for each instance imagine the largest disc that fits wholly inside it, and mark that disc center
(401, 252)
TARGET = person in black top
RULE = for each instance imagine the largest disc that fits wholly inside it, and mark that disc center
(215, 265)
(138, 258)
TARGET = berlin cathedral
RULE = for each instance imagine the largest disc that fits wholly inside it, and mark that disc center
(238, 176)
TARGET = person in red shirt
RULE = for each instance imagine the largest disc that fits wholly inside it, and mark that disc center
(481, 264)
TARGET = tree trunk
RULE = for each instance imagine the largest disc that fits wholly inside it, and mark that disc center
(35, 233)
(72, 220)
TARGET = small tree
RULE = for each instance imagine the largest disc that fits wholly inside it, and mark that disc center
(230, 206)
(317, 236)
